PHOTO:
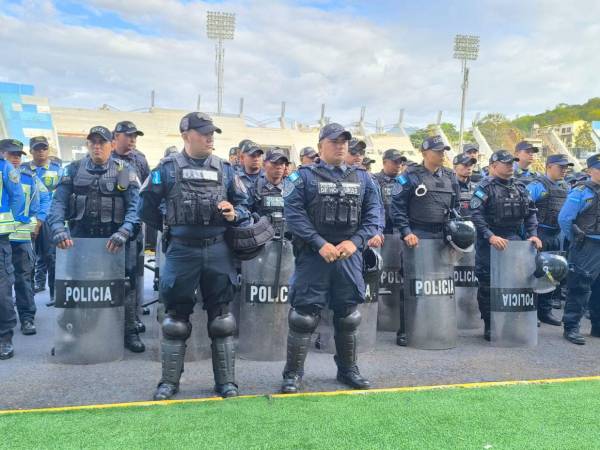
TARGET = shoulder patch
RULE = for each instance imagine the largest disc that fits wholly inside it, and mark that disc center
(480, 193)
(239, 184)
(156, 179)
(14, 176)
(295, 178)
(475, 203)
(288, 188)
(402, 180)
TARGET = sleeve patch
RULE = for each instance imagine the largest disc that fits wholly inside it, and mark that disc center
(288, 188)
(402, 180)
(294, 177)
(156, 177)
(475, 203)
(14, 176)
(481, 194)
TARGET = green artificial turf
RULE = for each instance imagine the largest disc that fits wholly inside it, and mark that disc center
(549, 416)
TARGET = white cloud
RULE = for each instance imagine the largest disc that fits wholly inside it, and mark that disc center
(305, 56)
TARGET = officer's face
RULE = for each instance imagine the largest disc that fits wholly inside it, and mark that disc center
(198, 144)
(474, 154)
(594, 175)
(463, 170)
(274, 171)
(125, 141)
(526, 158)
(99, 149)
(556, 172)
(13, 158)
(333, 151)
(252, 162)
(503, 170)
(433, 157)
(40, 155)
(392, 168)
(233, 159)
(354, 160)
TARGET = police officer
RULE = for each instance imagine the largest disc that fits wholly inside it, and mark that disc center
(549, 193)
(464, 164)
(472, 150)
(234, 157)
(125, 149)
(332, 211)
(393, 165)
(87, 187)
(251, 161)
(525, 152)
(202, 195)
(500, 209)
(37, 202)
(266, 194)
(308, 155)
(49, 172)
(425, 195)
(579, 220)
(12, 205)
(356, 152)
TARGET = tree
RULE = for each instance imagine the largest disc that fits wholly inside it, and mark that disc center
(498, 131)
(583, 139)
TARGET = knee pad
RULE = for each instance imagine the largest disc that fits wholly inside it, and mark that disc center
(348, 322)
(302, 321)
(222, 326)
(176, 329)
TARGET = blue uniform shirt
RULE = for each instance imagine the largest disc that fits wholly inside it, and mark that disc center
(579, 199)
(49, 174)
(301, 188)
(12, 198)
(249, 178)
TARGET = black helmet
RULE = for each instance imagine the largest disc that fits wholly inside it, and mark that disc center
(372, 265)
(550, 269)
(247, 242)
(460, 234)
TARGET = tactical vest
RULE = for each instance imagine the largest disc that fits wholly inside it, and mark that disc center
(386, 185)
(508, 205)
(97, 206)
(7, 221)
(335, 211)
(589, 220)
(525, 179)
(23, 231)
(549, 206)
(434, 207)
(268, 198)
(193, 198)
(465, 198)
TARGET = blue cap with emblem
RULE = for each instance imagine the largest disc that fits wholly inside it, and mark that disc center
(470, 148)
(503, 156)
(435, 143)
(198, 121)
(251, 148)
(561, 160)
(309, 152)
(394, 155)
(593, 162)
(464, 159)
(101, 131)
(38, 142)
(356, 146)
(332, 131)
(127, 127)
(525, 146)
(276, 155)
(11, 146)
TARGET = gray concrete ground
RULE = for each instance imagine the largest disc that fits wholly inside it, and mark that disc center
(31, 379)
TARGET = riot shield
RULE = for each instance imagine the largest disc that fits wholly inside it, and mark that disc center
(264, 307)
(512, 300)
(430, 305)
(139, 272)
(391, 295)
(465, 291)
(90, 290)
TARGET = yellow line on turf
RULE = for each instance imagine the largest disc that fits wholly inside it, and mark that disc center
(484, 384)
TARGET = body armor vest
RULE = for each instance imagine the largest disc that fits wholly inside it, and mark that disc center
(96, 206)
(549, 206)
(268, 198)
(193, 198)
(434, 207)
(336, 209)
(465, 197)
(525, 178)
(386, 185)
(508, 206)
(589, 220)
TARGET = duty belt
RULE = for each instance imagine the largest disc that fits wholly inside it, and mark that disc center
(431, 227)
(199, 243)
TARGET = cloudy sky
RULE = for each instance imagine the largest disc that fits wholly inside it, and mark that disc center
(385, 55)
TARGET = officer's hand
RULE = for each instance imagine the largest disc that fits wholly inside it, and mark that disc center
(329, 252)
(36, 231)
(63, 240)
(227, 211)
(376, 241)
(537, 243)
(411, 240)
(498, 243)
(117, 241)
(346, 249)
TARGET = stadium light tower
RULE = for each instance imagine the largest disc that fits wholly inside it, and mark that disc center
(220, 26)
(466, 48)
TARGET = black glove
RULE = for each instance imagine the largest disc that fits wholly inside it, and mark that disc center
(60, 236)
(119, 239)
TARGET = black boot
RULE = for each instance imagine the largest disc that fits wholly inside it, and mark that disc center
(401, 340)
(547, 317)
(6, 347)
(172, 353)
(132, 339)
(573, 336)
(487, 332)
(28, 328)
(139, 325)
(221, 330)
(346, 335)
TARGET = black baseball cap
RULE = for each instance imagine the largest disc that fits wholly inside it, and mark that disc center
(503, 156)
(435, 143)
(251, 148)
(101, 131)
(470, 147)
(367, 161)
(276, 155)
(308, 152)
(465, 159)
(333, 131)
(233, 151)
(11, 146)
(38, 141)
(560, 159)
(198, 121)
(525, 146)
(394, 155)
(127, 127)
(593, 162)
(356, 146)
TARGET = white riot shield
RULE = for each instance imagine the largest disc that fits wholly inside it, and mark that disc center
(391, 295)
(465, 291)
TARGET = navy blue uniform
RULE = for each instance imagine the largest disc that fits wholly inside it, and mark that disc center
(502, 208)
(249, 179)
(136, 160)
(316, 282)
(582, 208)
(386, 187)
